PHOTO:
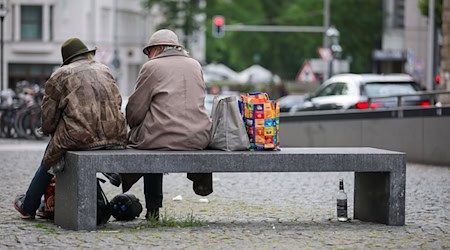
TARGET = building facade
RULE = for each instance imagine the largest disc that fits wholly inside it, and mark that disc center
(445, 65)
(404, 41)
(35, 29)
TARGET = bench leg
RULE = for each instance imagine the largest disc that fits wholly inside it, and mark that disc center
(380, 197)
(75, 203)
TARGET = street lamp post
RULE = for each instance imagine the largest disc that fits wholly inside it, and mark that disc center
(333, 37)
(3, 12)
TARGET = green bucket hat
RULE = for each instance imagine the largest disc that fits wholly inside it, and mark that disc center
(73, 47)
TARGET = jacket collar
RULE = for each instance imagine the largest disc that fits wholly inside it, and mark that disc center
(171, 52)
(78, 58)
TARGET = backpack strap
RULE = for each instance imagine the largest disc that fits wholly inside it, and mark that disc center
(105, 207)
(101, 189)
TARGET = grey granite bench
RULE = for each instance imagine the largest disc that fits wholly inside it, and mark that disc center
(379, 193)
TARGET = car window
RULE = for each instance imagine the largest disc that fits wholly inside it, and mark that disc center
(340, 88)
(326, 91)
(337, 88)
(397, 88)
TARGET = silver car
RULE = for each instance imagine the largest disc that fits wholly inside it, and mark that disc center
(351, 91)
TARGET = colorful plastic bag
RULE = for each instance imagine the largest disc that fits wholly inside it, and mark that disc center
(262, 120)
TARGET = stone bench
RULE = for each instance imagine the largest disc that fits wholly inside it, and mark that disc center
(379, 189)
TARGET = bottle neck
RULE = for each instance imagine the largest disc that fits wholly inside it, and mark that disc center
(341, 185)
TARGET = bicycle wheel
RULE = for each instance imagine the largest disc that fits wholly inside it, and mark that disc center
(35, 122)
(20, 124)
(8, 119)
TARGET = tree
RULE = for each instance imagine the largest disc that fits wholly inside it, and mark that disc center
(284, 53)
(359, 23)
(179, 14)
(424, 5)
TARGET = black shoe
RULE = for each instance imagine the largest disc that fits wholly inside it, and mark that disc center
(202, 188)
(152, 214)
(114, 178)
(202, 183)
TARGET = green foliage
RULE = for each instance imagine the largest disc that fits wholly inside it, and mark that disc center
(423, 6)
(358, 21)
(178, 15)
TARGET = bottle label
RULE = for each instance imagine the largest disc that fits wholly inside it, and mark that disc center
(342, 208)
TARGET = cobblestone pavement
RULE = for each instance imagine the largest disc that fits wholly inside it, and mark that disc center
(246, 211)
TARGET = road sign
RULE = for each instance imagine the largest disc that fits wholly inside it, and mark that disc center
(306, 74)
(325, 53)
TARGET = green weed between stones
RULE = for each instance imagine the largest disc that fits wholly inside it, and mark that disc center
(49, 230)
(170, 221)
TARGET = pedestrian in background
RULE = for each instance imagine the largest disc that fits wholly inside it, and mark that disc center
(166, 112)
(80, 111)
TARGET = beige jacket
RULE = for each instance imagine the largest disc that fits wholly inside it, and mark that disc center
(81, 110)
(166, 110)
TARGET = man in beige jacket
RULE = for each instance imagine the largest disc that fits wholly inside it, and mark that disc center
(166, 112)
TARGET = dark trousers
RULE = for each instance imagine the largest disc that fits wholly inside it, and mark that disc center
(153, 185)
(36, 190)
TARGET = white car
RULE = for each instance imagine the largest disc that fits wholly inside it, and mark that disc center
(351, 91)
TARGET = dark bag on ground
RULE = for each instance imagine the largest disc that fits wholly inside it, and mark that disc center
(46, 210)
(103, 207)
(125, 207)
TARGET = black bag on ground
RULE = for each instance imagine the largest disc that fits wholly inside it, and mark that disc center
(103, 207)
(125, 207)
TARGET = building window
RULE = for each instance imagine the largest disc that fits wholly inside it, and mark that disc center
(31, 22)
(399, 14)
(51, 23)
(33, 73)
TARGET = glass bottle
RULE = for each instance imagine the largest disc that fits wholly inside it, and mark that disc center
(341, 202)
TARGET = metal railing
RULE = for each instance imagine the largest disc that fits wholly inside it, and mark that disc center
(433, 96)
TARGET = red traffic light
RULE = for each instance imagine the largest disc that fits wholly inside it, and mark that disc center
(218, 26)
(219, 21)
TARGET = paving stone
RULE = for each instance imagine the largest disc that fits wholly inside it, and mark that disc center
(246, 211)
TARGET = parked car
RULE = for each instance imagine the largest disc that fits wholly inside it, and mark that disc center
(351, 91)
(288, 101)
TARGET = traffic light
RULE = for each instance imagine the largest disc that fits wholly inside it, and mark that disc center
(218, 26)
